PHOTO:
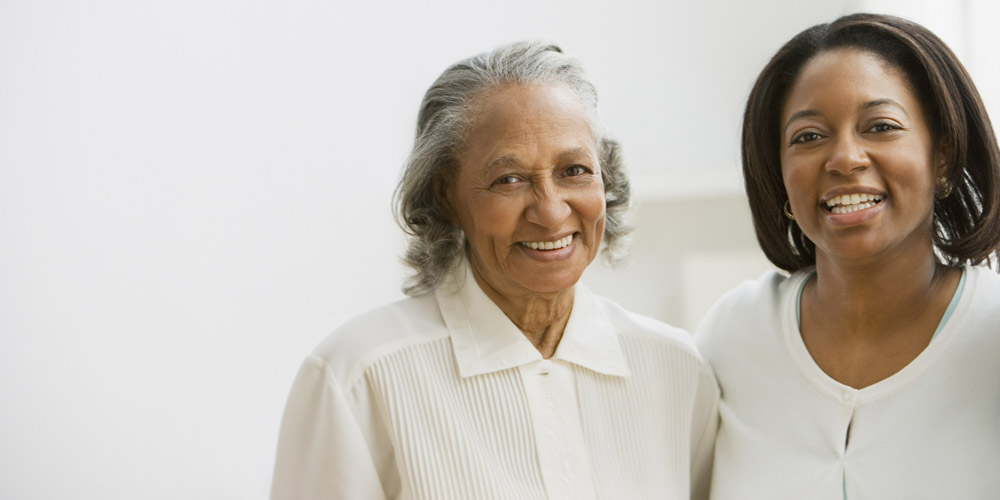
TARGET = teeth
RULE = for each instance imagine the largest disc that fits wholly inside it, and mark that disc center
(847, 203)
(846, 209)
(548, 245)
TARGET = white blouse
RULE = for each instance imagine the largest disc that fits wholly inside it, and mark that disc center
(441, 397)
(789, 431)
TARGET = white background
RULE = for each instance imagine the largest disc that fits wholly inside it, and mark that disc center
(194, 193)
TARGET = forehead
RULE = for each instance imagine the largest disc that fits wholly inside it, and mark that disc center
(527, 116)
(835, 78)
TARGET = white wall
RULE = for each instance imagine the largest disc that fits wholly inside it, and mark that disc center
(969, 27)
(193, 193)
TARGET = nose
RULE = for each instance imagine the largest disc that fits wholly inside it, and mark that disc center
(848, 156)
(549, 206)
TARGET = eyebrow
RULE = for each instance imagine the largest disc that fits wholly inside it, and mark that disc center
(502, 161)
(884, 102)
(868, 105)
(510, 161)
(572, 154)
(799, 114)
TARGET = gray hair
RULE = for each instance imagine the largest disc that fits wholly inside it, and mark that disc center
(436, 245)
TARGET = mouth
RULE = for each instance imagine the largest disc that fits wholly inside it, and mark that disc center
(847, 203)
(549, 245)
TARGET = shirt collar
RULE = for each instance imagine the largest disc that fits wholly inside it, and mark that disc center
(485, 340)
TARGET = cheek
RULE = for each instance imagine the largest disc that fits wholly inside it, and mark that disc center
(496, 218)
(592, 207)
(910, 173)
(787, 173)
(793, 179)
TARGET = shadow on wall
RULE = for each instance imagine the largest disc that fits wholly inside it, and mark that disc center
(685, 254)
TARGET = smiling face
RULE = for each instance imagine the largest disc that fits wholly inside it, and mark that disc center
(528, 191)
(857, 158)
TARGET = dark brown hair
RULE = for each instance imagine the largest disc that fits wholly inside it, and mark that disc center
(966, 223)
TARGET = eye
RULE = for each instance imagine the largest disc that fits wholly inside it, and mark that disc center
(805, 137)
(884, 127)
(507, 179)
(576, 170)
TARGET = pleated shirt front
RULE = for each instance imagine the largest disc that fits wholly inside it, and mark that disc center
(442, 397)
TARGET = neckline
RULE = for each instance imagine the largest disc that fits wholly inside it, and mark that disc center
(484, 340)
(791, 313)
(944, 317)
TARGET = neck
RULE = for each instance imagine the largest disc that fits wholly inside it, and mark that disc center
(540, 317)
(868, 299)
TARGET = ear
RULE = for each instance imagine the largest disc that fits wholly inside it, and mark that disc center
(444, 195)
(942, 159)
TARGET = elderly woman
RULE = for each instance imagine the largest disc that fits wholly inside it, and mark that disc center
(502, 377)
(871, 371)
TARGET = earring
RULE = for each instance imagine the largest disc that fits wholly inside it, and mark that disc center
(788, 211)
(944, 188)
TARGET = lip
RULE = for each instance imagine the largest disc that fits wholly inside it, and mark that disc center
(854, 218)
(550, 255)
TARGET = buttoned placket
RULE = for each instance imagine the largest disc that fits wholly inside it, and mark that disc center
(550, 387)
(849, 398)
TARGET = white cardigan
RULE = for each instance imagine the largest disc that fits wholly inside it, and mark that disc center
(789, 431)
(442, 397)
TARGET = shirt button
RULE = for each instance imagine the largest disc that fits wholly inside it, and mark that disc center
(847, 395)
(545, 367)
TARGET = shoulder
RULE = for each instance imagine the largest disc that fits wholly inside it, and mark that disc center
(769, 287)
(983, 278)
(983, 288)
(751, 306)
(660, 353)
(640, 329)
(374, 334)
(762, 294)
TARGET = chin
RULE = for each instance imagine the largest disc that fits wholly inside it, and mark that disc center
(551, 284)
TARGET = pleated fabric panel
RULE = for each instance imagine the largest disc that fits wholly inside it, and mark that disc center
(623, 416)
(456, 438)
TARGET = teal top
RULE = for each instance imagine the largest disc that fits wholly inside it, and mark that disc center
(951, 305)
(944, 318)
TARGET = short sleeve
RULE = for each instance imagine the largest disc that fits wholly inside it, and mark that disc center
(322, 453)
